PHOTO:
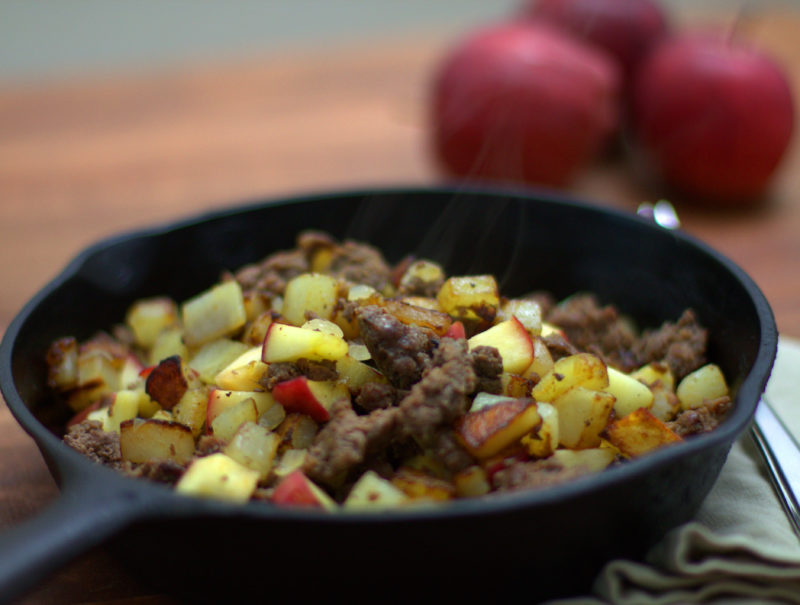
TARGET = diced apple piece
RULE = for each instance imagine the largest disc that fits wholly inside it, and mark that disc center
(142, 440)
(244, 373)
(528, 312)
(124, 406)
(542, 360)
(582, 416)
(456, 331)
(220, 400)
(168, 381)
(629, 392)
(228, 421)
(312, 397)
(316, 293)
(323, 325)
(218, 476)
(130, 376)
(581, 369)
(168, 344)
(214, 356)
(470, 297)
(513, 342)
(471, 482)
(543, 442)
(215, 313)
(290, 343)
(372, 492)
(147, 318)
(650, 373)
(489, 430)
(704, 383)
(421, 486)
(254, 447)
(549, 329)
(639, 433)
(297, 490)
(62, 364)
(191, 410)
(593, 460)
(296, 432)
(100, 415)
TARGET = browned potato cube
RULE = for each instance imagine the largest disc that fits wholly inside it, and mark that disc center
(640, 432)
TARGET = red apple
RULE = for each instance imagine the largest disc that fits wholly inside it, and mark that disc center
(522, 102)
(626, 29)
(511, 340)
(456, 330)
(712, 116)
(297, 490)
(312, 397)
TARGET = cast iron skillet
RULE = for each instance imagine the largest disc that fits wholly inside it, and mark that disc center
(531, 544)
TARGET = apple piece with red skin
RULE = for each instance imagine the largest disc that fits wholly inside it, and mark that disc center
(522, 102)
(456, 330)
(625, 29)
(286, 343)
(312, 397)
(84, 413)
(512, 341)
(712, 117)
(297, 490)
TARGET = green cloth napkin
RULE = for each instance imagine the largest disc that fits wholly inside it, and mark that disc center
(740, 548)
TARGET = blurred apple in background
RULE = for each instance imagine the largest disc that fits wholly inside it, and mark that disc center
(712, 116)
(626, 29)
(522, 102)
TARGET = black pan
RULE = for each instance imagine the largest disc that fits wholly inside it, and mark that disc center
(526, 545)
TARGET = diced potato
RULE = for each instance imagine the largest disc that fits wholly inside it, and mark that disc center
(99, 369)
(592, 459)
(62, 364)
(271, 416)
(356, 374)
(316, 293)
(639, 433)
(220, 400)
(168, 344)
(142, 440)
(471, 482)
(704, 383)
(149, 317)
(256, 304)
(124, 406)
(421, 486)
(470, 297)
(130, 376)
(629, 392)
(666, 404)
(487, 431)
(214, 356)
(515, 385)
(582, 415)
(164, 415)
(358, 292)
(228, 421)
(290, 343)
(652, 372)
(289, 461)
(582, 369)
(543, 442)
(323, 325)
(215, 313)
(218, 476)
(296, 432)
(256, 330)
(371, 491)
(528, 312)
(255, 447)
(422, 272)
(191, 409)
(244, 373)
(101, 415)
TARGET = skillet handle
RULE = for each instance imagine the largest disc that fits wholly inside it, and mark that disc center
(82, 517)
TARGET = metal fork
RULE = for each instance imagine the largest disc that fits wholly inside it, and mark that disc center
(782, 455)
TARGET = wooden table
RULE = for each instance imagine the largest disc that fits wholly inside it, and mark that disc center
(85, 159)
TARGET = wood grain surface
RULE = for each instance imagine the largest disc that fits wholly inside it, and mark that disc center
(81, 160)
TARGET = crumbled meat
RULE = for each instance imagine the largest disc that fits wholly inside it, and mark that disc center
(596, 329)
(313, 370)
(360, 264)
(318, 370)
(559, 346)
(344, 443)
(488, 366)
(161, 471)
(680, 345)
(446, 448)
(278, 372)
(701, 419)
(401, 352)
(535, 474)
(274, 272)
(91, 440)
(442, 394)
(376, 395)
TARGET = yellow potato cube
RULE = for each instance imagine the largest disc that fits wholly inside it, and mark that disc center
(582, 416)
(470, 297)
(372, 492)
(218, 476)
(147, 318)
(704, 383)
(142, 440)
(629, 392)
(543, 442)
(255, 447)
(639, 433)
(310, 292)
(583, 369)
(216, 312)
(214, 356)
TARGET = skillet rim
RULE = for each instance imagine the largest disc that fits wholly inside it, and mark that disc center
(748, 394)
